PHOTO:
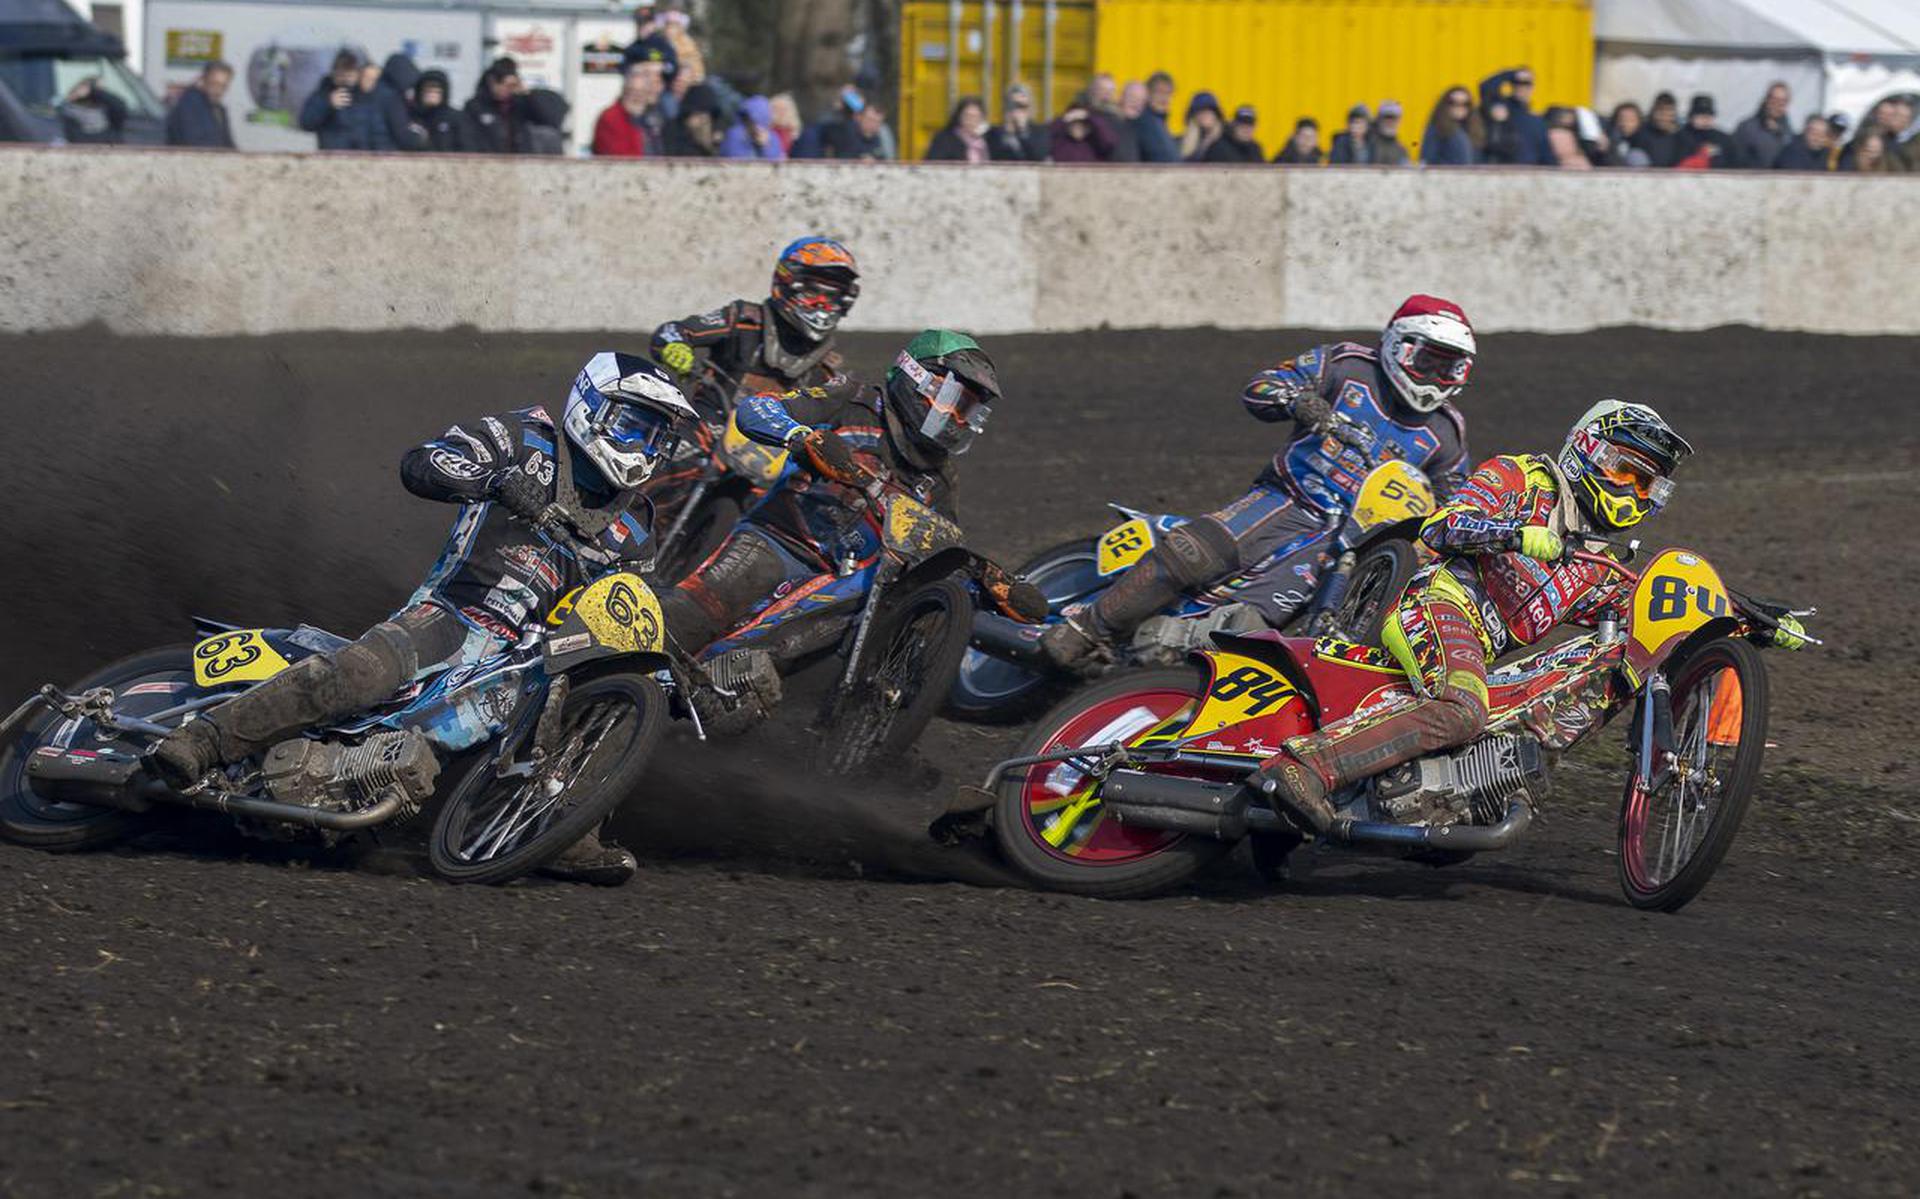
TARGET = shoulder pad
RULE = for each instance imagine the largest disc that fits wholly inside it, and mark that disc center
(1351, 349)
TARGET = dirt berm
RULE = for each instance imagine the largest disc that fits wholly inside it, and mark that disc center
(794, 998)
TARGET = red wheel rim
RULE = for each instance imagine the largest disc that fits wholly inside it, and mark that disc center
(1049, 791)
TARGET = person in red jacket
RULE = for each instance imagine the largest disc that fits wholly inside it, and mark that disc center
(633, 126)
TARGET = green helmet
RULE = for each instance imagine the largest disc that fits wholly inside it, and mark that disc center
(942, 388)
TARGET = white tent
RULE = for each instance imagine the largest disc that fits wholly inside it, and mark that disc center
(1836, 55)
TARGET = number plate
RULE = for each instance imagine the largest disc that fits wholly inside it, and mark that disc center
(1240, 689)
(1679, 592)
(1122, 546)
(240, 656)
(1393, 492)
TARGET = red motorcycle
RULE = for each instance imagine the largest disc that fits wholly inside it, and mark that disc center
(1136, 783)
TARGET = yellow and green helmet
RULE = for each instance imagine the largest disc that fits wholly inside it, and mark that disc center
(1619, 459)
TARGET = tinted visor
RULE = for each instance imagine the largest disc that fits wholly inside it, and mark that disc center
(1632, 471)
(1429, 362)
(823, 295)
(635, 429)
(956, 413)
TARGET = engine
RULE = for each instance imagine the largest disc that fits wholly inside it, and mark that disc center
(347, 778)
(1473, 785)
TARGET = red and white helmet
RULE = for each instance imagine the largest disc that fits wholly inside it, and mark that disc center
(1427, 351)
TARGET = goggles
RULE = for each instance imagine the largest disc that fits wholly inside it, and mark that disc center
(1429, 362)
(956, 413)
(1630, 470)
(634, 429)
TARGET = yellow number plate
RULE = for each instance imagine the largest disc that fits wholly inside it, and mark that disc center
(241, 656)
(1241, 688)
(761, 463)
(622, 613)
(1123, 545)
(1678, 593)
(1393, 491)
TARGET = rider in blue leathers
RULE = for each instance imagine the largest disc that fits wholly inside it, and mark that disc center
(1396, 401)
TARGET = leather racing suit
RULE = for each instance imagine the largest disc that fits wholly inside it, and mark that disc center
(1478, 601)
(748, 340)
(1283, 516)
(766, 554)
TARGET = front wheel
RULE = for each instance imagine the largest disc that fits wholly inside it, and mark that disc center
(493, 830)
(913, 649)
(143, 685)
(1676, 828)
(1047, 818)
(1379, 579)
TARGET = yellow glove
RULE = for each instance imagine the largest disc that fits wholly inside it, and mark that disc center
(1538, 541)
(677, 356)
(1791, 634)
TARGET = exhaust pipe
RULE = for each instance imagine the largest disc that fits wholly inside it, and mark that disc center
(1469, 838)
(1008, 639)
(110, 779)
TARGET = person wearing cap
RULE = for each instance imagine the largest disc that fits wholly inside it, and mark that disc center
(1659, 139)
(1354, 147)
(1703, 144)
(1205, 126)
(1016, 138)
(651, 43)
(1156, 141)
(1237, 144)
(1384, 141)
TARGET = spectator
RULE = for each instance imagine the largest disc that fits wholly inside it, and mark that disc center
(1103, 96)
(392, 95)
(1353, 147)
(696, 132)
(1204, 127)
(1622, 127)
(496, 120)
(1017, 138)
(1514, 133)
(964, 138)
(1703, 144)
(199, 116)
(751, 134)
(1563, 140)
(353, 110)
(1659, 138)
(92, 115)
(1150, 127)
(1902, 146)
(1384, 142)
(1447, 142)
(785, 119)
(1869, 152)
(1079, 137)
(1760, 138)
(689, 62)
(431, 112)
(863, 138)
(1811, 151)
(1238, 145)
(1892, 118)
(651, 44)
(1303, 148)
(633, 126)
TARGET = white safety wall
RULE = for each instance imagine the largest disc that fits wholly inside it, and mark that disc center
(195, 243)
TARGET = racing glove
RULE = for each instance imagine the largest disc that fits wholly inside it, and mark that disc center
(1789, 633)
(520, 493)
(677, 356)
(1541, 543)
(1311, 411)
(830, 457)
(1015, 597)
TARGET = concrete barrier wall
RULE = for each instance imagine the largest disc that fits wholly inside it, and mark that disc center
(207, 244)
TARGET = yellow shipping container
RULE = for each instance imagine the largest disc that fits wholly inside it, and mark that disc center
(951, 48)
(1318, 58)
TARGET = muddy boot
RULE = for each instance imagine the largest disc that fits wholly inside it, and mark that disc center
(1296, 792)
(187, 754)
(591, 860)
(1071, 649)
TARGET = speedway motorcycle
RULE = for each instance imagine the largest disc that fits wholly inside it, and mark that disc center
(895, 595)
(715, 475)
(1370, 554)
(1136, 783)
(531, 747)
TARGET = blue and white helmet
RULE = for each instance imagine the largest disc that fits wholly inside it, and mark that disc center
(625, 414)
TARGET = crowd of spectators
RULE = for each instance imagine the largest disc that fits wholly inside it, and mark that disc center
(671, 105)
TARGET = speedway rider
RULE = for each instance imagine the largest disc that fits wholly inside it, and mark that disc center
(540, 513)
(935, 400)
(1501, 582)
(1396, 401)
(779, 343)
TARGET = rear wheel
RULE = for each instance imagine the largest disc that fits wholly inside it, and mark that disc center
(1676, 829)
(1379, 579)
(143, 684)
(493, 830)
(992, 689)
(912, 651)
(1048, 820)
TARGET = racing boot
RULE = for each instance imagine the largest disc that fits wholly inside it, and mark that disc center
(1295, 790)
(591, 860)
(185, 756)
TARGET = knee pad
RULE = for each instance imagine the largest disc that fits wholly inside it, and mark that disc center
(1198, 553)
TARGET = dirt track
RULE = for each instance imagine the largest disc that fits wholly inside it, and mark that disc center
(785, 1003)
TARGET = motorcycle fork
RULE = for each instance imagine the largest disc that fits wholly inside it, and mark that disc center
(881, 578)
(685, 514)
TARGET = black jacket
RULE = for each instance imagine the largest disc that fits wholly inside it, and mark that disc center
(948, 146)
(1661, 149)
(196, 120)
(1226, 149)
(1798, 156)
(1004, 145)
